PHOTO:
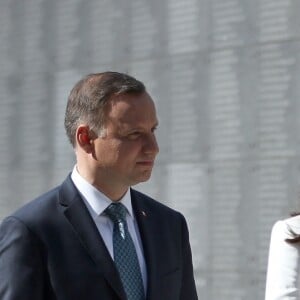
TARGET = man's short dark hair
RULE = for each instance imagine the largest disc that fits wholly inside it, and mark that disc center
(88, 99)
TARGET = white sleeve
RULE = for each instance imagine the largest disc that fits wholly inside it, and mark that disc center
(283, 265)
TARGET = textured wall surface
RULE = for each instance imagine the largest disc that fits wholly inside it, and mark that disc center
(225, 76)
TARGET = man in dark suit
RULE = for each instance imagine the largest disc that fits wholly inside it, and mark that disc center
(94, 237)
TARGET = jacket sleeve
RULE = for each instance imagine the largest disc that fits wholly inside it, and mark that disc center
(188, 288)
(21, 275)
(283, 265)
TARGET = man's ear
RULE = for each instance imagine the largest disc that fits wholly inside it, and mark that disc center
(83, 137)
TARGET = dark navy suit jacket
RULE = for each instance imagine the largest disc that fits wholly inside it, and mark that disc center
(51, 249)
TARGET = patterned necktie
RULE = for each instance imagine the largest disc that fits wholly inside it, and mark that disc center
(125, 256)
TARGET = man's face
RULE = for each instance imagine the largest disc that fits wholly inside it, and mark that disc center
(126, 154)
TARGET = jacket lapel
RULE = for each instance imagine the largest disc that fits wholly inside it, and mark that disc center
(149, 232)
(80, 219)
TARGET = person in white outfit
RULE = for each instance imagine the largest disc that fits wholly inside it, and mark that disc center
(283, 282)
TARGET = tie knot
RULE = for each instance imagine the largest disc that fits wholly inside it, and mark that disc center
(116, 212)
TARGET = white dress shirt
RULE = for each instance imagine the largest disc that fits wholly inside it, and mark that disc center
(284, 262)
(96, 203)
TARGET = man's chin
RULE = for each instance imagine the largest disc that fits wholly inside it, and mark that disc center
(143, 178)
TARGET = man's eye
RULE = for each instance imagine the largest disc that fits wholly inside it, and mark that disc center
(154, 129)
(134, 135)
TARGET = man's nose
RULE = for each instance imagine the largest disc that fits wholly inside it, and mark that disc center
(151, 145)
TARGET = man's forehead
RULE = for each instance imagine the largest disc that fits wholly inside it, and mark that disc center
(131, 104)
(137, 113)
(130, 97)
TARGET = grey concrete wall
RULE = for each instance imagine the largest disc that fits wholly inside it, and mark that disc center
(225, 78)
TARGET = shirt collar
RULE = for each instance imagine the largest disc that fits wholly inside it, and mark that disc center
(97, 201)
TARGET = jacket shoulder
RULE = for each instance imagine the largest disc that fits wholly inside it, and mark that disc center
(39, 206)
(46, 203)
(151, 204)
